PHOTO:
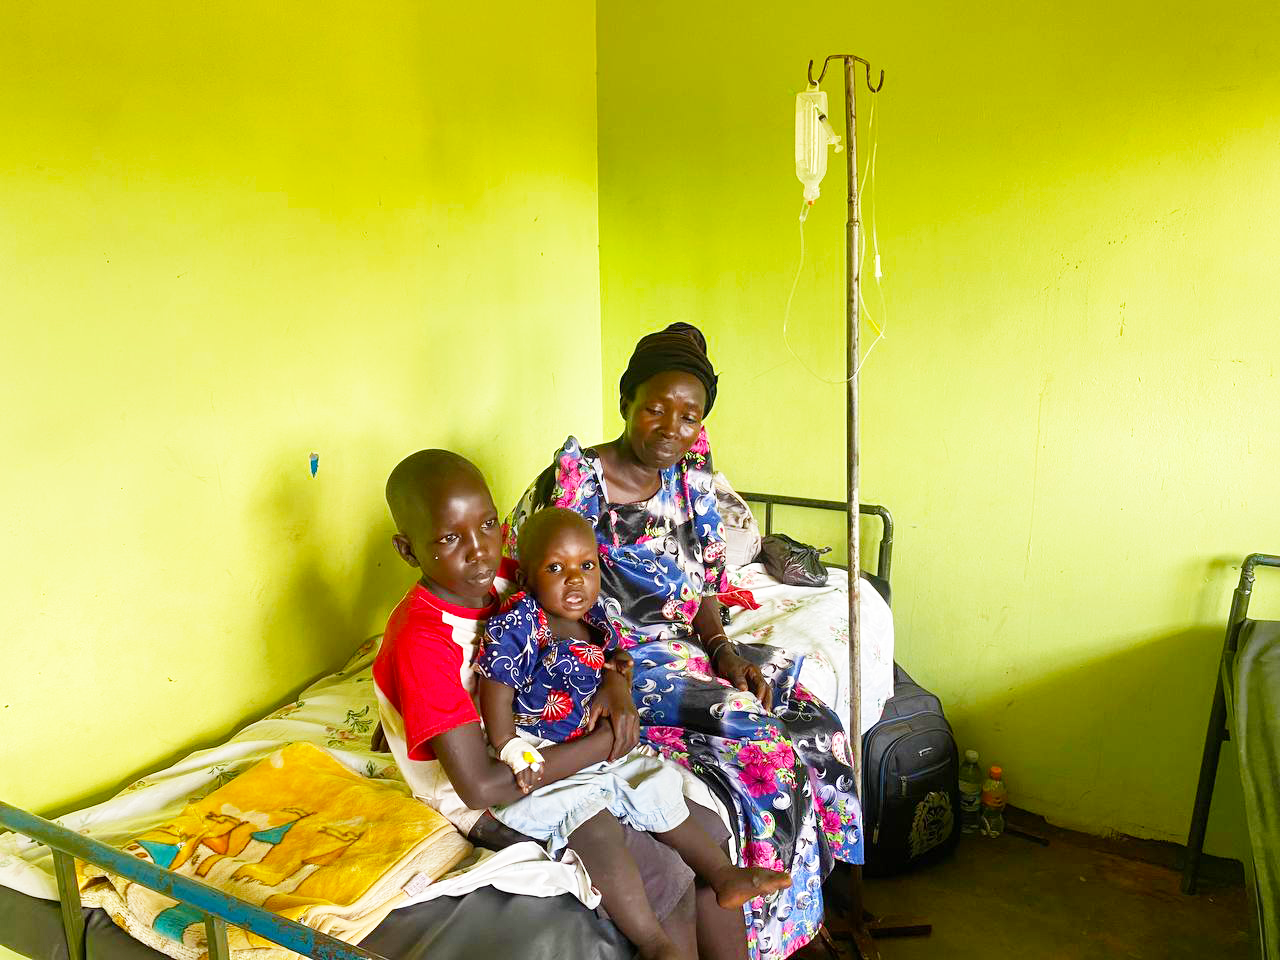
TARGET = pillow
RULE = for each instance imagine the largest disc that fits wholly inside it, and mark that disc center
(741, 532)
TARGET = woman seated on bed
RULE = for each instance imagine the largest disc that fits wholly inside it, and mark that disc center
(734, 717)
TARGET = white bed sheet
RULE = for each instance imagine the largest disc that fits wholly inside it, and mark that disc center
(814, 621)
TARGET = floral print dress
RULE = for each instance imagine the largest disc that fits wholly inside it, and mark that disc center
(785, 775)
(554, 680)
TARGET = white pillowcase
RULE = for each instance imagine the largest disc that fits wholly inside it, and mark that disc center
(741, 532)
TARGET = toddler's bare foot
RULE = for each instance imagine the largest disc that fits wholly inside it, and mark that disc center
(734, 886)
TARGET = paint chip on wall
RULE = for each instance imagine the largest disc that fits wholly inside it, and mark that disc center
(315, 463)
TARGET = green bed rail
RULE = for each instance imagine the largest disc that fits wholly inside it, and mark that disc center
(1221, 716)
(215, 907)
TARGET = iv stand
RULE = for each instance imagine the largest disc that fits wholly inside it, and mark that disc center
(860, 927)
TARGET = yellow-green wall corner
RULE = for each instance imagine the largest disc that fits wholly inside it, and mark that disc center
(1068, 414)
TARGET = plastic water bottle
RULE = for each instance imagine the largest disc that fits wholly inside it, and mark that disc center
(970, 792)
(994, 796)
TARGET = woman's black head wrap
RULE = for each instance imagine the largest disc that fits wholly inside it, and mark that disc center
(681, 346)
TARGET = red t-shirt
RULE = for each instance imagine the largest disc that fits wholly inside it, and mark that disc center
(425, 687)
(423, 668)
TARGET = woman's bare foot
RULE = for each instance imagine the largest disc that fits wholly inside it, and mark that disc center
(734, 886)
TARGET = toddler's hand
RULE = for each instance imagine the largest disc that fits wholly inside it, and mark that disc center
(525, 762)
(613, 700)
(621, 663)
(529, 778)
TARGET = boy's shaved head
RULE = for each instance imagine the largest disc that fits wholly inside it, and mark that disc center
(446, 525)
(418, 479)
(538, 529)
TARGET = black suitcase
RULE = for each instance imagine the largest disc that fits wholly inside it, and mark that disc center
(910, 782)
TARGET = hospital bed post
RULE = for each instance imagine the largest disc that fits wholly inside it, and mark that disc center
(852, 267)
(858, 933)
(862, 927)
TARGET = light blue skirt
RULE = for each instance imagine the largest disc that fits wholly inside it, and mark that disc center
(642, 791)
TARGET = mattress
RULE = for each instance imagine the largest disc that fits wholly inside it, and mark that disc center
(1257, 738)
(483, 923)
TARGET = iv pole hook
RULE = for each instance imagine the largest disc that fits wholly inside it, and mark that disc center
(846, 56)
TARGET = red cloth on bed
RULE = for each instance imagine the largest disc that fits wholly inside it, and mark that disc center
(738, 597)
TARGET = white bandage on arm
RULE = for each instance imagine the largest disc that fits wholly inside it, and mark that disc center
(519, 754)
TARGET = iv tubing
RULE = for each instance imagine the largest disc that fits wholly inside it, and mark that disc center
(869, 171)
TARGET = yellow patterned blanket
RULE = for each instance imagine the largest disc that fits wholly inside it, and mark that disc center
(298, 834)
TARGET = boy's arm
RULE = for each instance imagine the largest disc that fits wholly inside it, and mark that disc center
(484, 781)
(500, 726)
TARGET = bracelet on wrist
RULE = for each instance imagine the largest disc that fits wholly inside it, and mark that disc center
(725, 643)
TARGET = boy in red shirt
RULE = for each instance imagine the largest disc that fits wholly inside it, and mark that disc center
(448, 527)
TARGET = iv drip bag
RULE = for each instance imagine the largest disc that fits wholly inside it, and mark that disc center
(813, 135)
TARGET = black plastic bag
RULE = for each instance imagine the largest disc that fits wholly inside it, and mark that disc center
(793, 562)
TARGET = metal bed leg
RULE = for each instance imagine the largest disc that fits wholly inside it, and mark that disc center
(64, 868)
(215, 935)
(1204, 790)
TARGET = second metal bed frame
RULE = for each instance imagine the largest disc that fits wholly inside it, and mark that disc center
(1221, 715)
(209, 904)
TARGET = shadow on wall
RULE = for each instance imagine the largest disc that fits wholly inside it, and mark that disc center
(330, 596)
(1112, 744)
(333, 595)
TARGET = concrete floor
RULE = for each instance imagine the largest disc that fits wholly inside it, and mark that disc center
(1071, 900)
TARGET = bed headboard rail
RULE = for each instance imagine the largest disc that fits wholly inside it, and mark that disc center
(884, 558)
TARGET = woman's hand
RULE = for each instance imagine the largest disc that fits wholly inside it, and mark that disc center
(743, 675)
(613, 700)
(725, 662)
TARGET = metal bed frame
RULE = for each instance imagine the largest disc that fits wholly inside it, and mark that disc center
(884, 557)
(1221, 718)
(218, 908)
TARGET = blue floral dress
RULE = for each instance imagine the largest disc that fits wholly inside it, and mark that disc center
(785, 775)
(554, 680)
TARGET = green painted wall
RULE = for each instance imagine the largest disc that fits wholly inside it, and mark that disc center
(1070, 417)
(233, 234)
(238, 234)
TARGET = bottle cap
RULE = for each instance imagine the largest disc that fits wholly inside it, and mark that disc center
(971, 756)
(996, 773)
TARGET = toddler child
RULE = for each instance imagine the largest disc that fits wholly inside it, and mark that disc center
(540, 668)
